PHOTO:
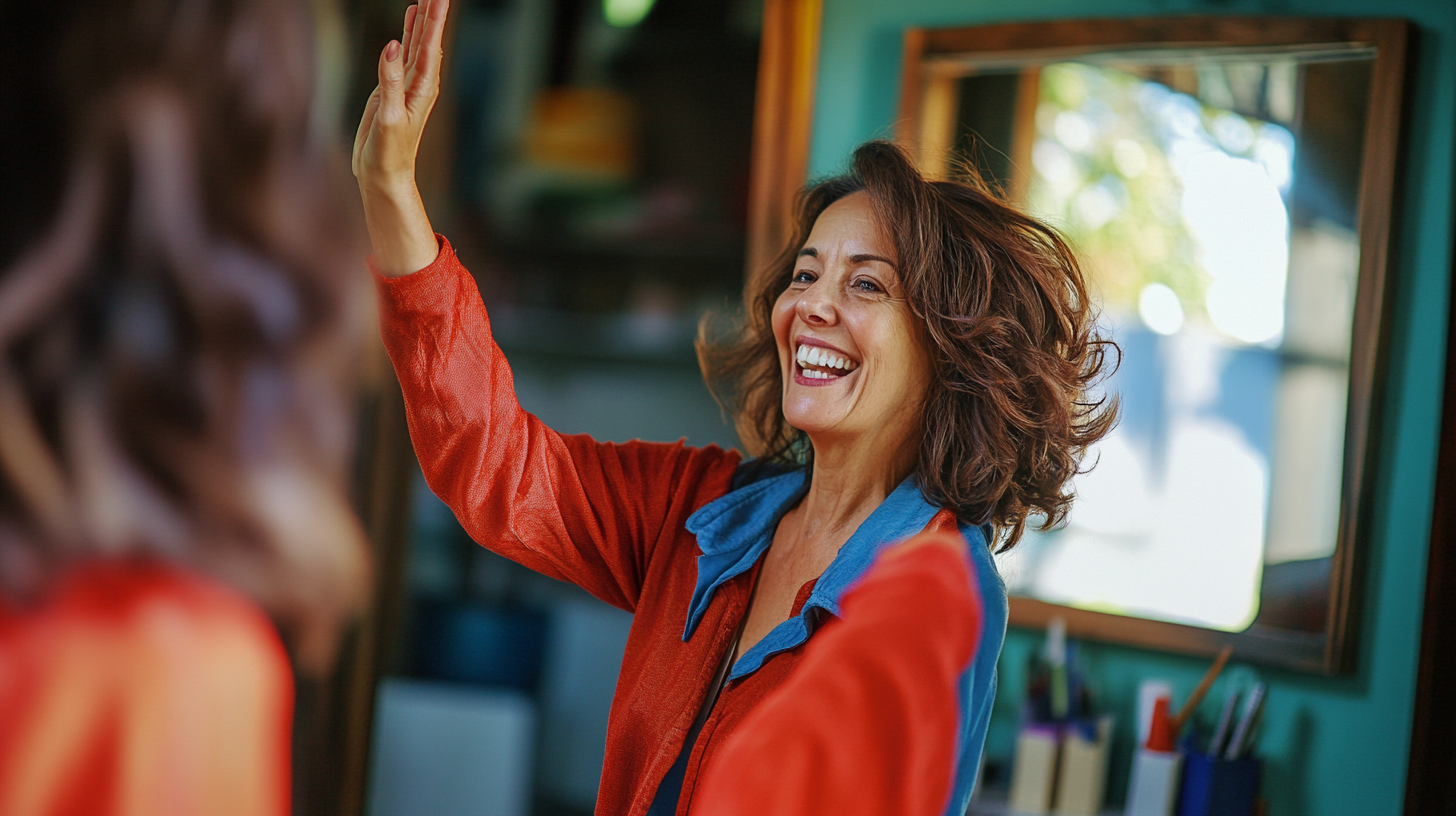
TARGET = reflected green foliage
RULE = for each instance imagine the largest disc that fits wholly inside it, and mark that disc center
(1105, 172)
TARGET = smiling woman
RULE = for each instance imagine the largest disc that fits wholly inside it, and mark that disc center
(913, 369)
(973, 325)
(844, 321)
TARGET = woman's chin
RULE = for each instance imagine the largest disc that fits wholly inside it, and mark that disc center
(811, 420)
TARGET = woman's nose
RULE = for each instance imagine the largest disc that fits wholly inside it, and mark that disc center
(816, 306)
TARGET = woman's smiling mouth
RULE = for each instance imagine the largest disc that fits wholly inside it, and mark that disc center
(817, 365)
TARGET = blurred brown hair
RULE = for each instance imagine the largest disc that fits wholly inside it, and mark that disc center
(1007, 323)
(180, 305)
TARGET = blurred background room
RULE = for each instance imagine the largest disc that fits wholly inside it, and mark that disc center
(1268, 231)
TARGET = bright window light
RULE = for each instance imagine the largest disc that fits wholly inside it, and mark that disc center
(1235, 211)
(1160, 309)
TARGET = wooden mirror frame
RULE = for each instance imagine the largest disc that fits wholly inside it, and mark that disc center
(780, 158)
(1333, 650)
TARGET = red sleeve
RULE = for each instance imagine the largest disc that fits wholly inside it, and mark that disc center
(867, 724)
(566, 506)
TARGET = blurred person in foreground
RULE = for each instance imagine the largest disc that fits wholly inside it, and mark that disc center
(179, 311)
(913, 368)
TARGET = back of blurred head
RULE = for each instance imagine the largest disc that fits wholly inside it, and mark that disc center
(180, 305)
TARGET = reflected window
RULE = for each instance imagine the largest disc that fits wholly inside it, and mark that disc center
(1223, 260)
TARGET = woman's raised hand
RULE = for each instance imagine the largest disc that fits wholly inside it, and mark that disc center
(389, 139)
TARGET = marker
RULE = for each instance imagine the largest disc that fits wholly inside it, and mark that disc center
(1246, 722)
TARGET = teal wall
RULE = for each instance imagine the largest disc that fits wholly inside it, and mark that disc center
(1333, 746)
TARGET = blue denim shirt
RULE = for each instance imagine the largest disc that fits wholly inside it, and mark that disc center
(735, 530)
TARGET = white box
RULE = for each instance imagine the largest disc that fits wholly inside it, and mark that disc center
(450, 750)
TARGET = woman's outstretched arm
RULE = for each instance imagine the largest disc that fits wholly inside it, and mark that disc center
(868, 722)
(388, 142)
(592, 513)
(581, 511)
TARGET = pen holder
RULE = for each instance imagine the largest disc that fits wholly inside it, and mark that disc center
(1218, 787)
(1034, 772)
(1082, 770)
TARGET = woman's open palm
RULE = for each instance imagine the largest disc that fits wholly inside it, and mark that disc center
(394, 119)
(389, 139)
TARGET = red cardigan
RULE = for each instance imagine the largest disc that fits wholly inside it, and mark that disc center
(610, 518)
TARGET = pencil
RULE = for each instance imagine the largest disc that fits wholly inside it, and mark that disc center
(1203, 686)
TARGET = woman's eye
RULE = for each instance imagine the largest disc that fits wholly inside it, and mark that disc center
(865, 285)
(803, 276)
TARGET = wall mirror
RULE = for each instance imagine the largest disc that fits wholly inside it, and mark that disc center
(1227, 183)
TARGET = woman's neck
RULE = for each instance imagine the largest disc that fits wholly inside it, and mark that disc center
(849, 482)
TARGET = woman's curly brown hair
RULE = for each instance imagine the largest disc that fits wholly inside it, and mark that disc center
(1008, 325)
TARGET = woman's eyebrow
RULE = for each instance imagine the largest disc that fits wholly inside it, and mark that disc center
(859, 259)
(811, 252)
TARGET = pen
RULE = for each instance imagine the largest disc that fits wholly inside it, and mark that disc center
(1225, 722)
(1246, 722)
(1247, 743)
(1056, 653)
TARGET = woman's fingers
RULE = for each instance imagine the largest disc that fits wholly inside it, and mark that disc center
(391, 83)
(431, 39)
(422, 9)
(410, 16)
(422, 16)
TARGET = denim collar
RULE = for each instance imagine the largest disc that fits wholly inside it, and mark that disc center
(735, 530)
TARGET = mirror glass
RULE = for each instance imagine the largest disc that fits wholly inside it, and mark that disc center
(1211, 195)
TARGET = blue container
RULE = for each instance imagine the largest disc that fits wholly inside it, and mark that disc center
(1218, 787)
(480, 643)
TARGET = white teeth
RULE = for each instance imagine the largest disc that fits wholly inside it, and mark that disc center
(815, 356)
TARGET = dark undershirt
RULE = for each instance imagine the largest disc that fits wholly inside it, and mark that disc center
(669, 791)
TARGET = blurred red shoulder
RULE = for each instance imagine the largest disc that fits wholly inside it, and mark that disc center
(140, 681)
